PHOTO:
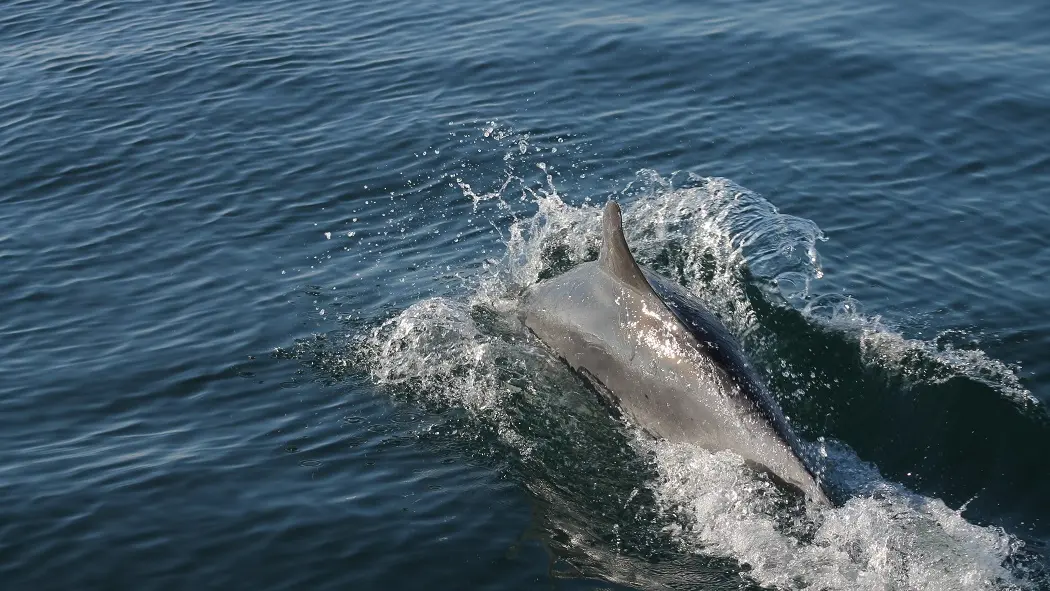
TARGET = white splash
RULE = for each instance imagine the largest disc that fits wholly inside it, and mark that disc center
(883, 347)
(885, 538)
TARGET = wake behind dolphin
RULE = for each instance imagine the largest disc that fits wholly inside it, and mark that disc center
(663, 359)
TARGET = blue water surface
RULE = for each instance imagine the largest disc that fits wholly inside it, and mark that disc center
(206, 206)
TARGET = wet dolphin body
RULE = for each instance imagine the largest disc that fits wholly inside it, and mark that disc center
(663, 359)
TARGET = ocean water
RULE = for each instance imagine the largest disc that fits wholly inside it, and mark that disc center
(262, 263)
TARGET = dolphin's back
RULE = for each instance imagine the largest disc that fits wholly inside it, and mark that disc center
(664, 359)
(720, 344)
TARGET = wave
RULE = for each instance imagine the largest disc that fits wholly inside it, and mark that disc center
(758, 270)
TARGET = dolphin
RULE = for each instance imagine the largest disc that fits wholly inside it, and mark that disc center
(663, 360)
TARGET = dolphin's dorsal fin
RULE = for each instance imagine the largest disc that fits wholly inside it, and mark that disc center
(615, 258)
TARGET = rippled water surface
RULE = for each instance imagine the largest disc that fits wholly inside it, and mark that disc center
(262, 263)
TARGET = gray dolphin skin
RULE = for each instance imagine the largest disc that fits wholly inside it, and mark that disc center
(663, 360)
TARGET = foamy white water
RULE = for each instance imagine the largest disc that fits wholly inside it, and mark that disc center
(883, 538)
(705, 232)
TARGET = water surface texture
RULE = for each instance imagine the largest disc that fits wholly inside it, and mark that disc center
(262, 263)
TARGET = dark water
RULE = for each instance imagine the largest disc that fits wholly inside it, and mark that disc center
(260, 264)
